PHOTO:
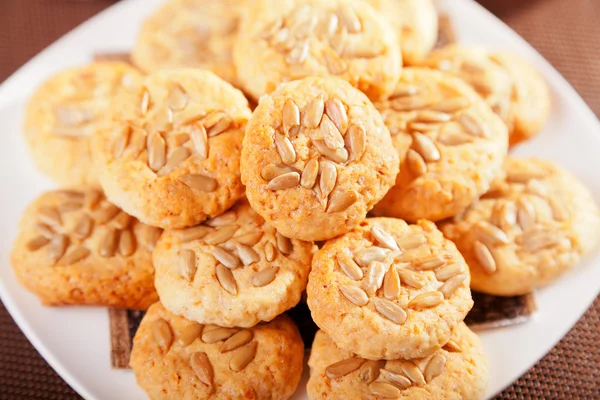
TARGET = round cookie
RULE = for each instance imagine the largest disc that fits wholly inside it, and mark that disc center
(74, 247)
(292, 39)
(416, 23)
(172, 156)
(316, 158)
(389, 290)
(234, 270)
(512, 88)
(173, 358)
(190, 33)
(66, 111)
(536, 223)
(458, 371)
(451, 146)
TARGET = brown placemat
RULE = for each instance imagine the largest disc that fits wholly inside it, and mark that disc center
(566, 32)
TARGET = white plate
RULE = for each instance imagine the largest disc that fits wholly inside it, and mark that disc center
(75, 341)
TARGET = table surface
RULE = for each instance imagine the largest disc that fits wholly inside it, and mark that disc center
(566, 32)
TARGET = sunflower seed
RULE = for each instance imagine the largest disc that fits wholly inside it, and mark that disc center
(452, 347)
(285, 149)
(199, 140)
(367, 256)
(415, 162)
(426, 148)
(504, 215)
(193, 233)
(106, 214)
(339, 40)
(447, 272)
(151, 235)
(223, 124)
(202, 368)
(336, 112)
(127, 243)
(226, 279)
(349, 267)
(384, 390)
(485, 257)
(452, 137)
(490, 234)
(435, 367)
(391, 284)
(217, 334)
(369, 371)
(473, 124)
(313, 113)
(226, 258)
(426, 300)
(199, 182)
(433, 262)
(180, 139)
(413, 372)
(161, 331)
(328, 178)
(109, 242)
(452, 284)
(348, 18)
(45, 230)
(284, 244)
(69, 206)
(57, 247)
(178, 98)
(411, 278)
(247, 254)
(243, 357)
(122, 220)
(356, 142)
(156, 151)
(264, 277)
(415, 255)
(249, 239)
(431, 116)
(384, 238)
(177, 157)
(535, 240)
(423, 127)
(187, 264)
(290, 116)
(221, 234)
(236, 341)
(400, 381)
(344, 367)
(375, 274)
(559, 210)
(271, 171)
(75, 255)
(390, 310)
(309, 175)
(227, 218)
(355, 295)
(284, 181)
(91, 199)
(524, 175)
(270, 252)
(337, 155)
(37, 243)
(409, 103)
(410, 242)
(145, 105)
(50, 216)
(328, 26)
(299, 53)
(331, 135)
(342, 200)
(189, 334)
(335, 64)
(536, 187)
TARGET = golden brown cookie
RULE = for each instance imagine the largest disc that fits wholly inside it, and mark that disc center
(190, 33)
(292, 39)
(512, 88)
(66, 111)
(172, 156)
(316, 158)
(74, 247)
(536, 223)
(388, 290)
(451, 146)
(458, 371)
(234, 270)
(173, 358)
(416, 24)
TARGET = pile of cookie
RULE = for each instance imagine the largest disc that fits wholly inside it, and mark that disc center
(180, 199)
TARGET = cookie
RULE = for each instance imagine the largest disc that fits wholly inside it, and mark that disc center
(66, 111)
(316, 158)
(511, 87)
(76, 248)
(171, 157)
(234, 270)
(173, 358)
(458, 371)
(292, 39)
(389, 290)
(451, 146)
(537, 222)
(416, 24)
(190, 33)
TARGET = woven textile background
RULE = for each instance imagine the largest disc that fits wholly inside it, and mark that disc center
(566, 32)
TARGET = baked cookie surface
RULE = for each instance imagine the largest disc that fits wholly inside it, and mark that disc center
(512, 88)
(536, 223)
(458, 371)
(65, 113)
(316, 158)
(450, 143)
(389, 290)
(234, 270)
(416, 24)
(76, 248)
(172, 155)
(173, 358)
(190, 33)
(289, 39)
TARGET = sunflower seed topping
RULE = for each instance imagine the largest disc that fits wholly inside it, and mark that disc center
(344, 367)
(202, 368)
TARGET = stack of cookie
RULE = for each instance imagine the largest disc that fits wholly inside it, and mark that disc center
(176, 190)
